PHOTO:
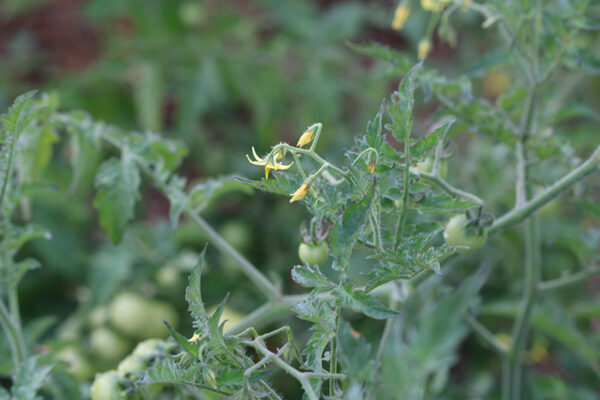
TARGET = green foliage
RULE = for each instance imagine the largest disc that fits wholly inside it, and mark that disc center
(398, 312)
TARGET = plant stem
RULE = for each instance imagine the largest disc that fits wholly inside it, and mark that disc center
(567, 280)
(300, 376)
(449, 188)
(485, 334)
(13, 304)
(257, 277)
(404, 212)
(14, 336)
(11, 155)
(528, 207)
(530, 294)
(333, 352)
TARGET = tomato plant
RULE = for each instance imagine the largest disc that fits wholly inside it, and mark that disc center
(460, 232)
(313, 253)
(384, 303)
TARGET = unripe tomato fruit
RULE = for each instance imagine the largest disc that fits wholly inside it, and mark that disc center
(78, 364)
(427, 166)
(229, 315)
(106, 387)
(107, 344)
(457, 234)
(139, 317)
(313, 253)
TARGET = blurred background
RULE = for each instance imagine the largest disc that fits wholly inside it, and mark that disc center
(222, 76)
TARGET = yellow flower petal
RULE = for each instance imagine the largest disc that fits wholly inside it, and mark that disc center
(270, 162)
(434, 5)
(256, 155)
(400, 17)
(194, 338)
(372, 167)
(306, 138)
(300, 193)
(424, 48)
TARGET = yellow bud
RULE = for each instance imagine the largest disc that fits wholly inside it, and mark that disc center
(400, 16)
(372, 167)
(306, 138)
(424, 48)
(434, 5)
(300, 193)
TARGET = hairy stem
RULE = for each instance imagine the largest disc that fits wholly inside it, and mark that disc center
(404, 213)
(486, 335)
(530, 295)
(430, 177)
(528, 207)
(567, 280)
(14, 336)
(257, 277)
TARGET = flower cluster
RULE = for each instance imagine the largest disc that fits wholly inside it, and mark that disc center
(272, 160)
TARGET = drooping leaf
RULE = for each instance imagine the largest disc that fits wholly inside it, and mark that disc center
(364, 303)
(348, 227)
(118, 182)
(399, 61)
(310, 277)
(403, 101)
(284, 184)
(208, 191)
(424, 145)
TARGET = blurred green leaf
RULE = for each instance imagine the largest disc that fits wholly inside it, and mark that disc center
(118, 182)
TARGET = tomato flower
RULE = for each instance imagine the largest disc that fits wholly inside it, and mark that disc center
(194, 338)
(300, 193)
(400, 16)
(434, 5)
(270, 162)
(306, 137)
(424, 48)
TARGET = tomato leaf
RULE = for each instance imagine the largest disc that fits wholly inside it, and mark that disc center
(118, 182)
(361, 302)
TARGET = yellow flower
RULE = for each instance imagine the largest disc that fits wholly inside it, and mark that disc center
(372, 167)
(270, 162)
(400, 16)
(434, 5)
(300, 193)
(194, 338)
(424, 48)
(306, 137)
(504, 340)
(538, 353)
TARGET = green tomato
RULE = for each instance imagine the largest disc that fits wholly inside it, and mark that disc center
(427, 166)
(98, 316)
(106, 387)
(138, 360)
(131, 364)
(107, 344)
(78, 364)
(457, 234)
(313, 253)
(399, 204)
(191, 13)
(139, 317)
(168, 276)
(237, 234)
